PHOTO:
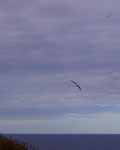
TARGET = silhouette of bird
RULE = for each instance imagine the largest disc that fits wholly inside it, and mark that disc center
(21, 101)
(107, 16)
(76, 84)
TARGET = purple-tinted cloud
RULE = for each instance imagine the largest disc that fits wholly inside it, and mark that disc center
(43, 45)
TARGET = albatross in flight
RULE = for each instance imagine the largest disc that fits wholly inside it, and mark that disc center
(76, 84)
(107, 16)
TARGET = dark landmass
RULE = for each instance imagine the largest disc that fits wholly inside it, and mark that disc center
(10, 144)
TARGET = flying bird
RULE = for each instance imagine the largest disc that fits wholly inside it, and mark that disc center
(107, 16)
(76, 84)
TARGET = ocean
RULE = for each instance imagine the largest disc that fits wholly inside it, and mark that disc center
(71, 141)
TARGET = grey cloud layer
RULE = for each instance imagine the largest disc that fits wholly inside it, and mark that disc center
(43, 45)
(87, 111)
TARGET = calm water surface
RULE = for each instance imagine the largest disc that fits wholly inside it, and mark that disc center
(70, 141)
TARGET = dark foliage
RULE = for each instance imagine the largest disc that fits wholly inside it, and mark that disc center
(11, 144)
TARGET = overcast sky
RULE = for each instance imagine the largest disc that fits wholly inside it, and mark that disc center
(46, 44)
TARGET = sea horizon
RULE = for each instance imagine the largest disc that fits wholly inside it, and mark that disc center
(69, 141)
(61, 133)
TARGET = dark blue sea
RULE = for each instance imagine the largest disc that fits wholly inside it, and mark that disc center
(71, 141)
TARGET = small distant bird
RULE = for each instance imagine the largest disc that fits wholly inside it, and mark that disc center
(76, 84)
(21, 101)
(107, 16)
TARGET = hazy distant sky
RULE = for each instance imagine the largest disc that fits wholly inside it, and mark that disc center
(46, 44)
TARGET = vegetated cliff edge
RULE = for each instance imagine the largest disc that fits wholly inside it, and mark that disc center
(13, 144)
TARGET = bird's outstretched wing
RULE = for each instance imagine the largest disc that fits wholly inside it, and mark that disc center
(76, 84)
(107, 16)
